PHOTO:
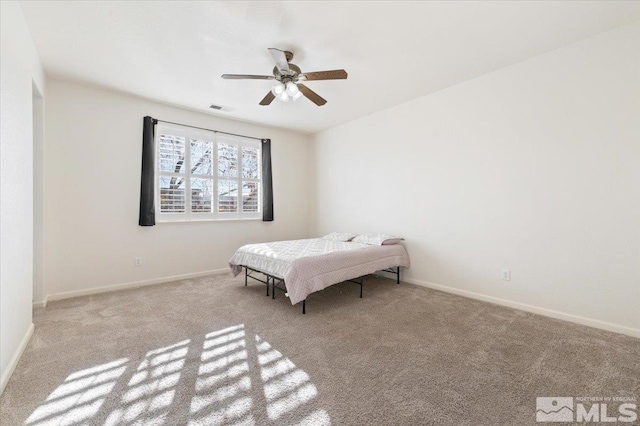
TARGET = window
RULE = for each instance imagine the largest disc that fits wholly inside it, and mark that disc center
(206, 175)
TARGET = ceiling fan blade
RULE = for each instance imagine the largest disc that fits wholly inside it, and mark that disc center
(325, 75)
(311, 95)
(267, 99)
(247, 77)
(280, 58)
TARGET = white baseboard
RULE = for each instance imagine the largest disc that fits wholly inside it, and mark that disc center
(603, 325)
(42, 304)
(6, 375)
(123, 286)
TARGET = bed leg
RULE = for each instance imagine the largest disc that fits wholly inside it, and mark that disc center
(267, 286)
(398, 276)
(304, 307)
(273, 288)
(246, 274)
(361, 285)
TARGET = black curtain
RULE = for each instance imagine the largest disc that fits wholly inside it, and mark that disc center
(267, 182)
(147, 204)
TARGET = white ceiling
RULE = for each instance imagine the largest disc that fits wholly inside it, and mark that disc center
(175, 52)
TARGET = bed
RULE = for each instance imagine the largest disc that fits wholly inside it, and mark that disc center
(306, 266)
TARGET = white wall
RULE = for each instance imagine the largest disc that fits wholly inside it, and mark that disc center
(20, 68)
(534, 168)
(93, 157)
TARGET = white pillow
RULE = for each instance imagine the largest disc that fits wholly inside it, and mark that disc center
(339, 236)
(377, 239)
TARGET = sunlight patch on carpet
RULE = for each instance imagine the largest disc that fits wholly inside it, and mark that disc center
(80, 396)
(240, 380)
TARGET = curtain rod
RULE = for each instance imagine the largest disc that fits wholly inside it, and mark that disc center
(208, 130)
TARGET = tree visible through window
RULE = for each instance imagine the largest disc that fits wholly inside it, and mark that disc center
(206, 175)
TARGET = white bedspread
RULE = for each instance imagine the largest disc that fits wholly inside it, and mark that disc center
(311, 265)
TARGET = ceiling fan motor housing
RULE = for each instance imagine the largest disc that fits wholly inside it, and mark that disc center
(285, 76)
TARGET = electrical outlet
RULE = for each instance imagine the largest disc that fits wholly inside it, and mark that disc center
(137, 261)
(506, 275)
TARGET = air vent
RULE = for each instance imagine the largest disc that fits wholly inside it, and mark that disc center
(220, 108)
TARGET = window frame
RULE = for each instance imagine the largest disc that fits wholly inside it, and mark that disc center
(214, 138)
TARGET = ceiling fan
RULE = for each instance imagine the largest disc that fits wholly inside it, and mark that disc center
(288, 78)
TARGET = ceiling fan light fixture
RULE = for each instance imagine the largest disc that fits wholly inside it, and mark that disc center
(297, 96)
(292, 89)
(284, 97)
(278, 89)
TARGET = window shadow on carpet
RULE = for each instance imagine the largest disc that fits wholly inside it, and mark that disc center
(236, 378)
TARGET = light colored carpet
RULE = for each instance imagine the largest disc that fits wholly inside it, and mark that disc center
(210, 351)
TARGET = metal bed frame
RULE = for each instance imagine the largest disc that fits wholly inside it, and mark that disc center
(276, 281)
